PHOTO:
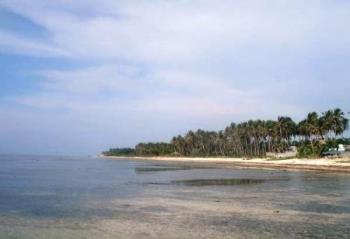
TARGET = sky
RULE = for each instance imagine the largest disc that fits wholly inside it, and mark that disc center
(78, 77)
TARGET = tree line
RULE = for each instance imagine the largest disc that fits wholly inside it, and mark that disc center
(252, 138)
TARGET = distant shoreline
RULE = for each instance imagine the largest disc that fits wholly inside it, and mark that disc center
(321, 164)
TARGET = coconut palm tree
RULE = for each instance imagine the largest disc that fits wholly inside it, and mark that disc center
(311, 127)
(250, 138)
(334, 121)
(340, 123)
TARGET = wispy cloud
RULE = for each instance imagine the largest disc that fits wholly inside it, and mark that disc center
(183, 60)
(183, 30)
(12, 43)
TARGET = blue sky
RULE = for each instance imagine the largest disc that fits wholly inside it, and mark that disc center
(78, 77)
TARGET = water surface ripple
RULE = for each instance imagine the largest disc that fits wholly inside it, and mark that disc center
(83, 197)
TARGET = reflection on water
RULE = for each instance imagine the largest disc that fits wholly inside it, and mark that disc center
(318, 207)
(159, 169)
(63, 197)
(219, 182)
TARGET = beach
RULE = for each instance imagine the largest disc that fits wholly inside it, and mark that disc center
(319, 164)
(87, 197)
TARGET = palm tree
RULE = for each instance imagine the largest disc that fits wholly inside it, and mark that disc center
(340, 122)
(310, 127)
(250, 138)
(179, 144)
(334, 121)
(272, 132)
(287, 128)
(326, 123)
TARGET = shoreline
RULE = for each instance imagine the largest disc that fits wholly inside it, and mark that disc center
(320, 164)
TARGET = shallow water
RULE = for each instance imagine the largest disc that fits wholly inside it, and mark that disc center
(219, 182)
(70, 197)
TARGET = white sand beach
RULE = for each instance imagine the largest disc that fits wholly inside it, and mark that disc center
(322, 164)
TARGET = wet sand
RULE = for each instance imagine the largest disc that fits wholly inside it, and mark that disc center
(321, 164)
(51, 198)
(193, 213)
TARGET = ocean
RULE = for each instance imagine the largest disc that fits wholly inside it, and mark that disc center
(86, 197)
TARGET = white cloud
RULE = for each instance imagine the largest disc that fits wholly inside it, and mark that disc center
(12, 43)
(184, 60)
(123, 90)
(93, 80)
(186, 30)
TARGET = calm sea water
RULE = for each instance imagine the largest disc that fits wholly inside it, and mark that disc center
(82, 197)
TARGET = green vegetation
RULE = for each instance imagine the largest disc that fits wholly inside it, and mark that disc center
(120, 152)
(154, 149)
(253, 138)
